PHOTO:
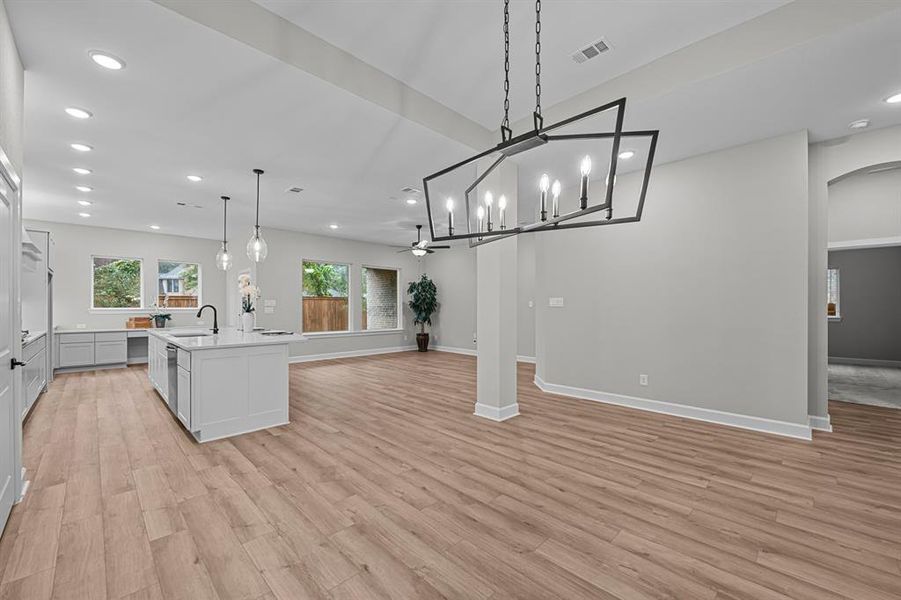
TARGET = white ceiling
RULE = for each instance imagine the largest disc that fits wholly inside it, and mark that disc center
(453, 51)
(193, 100)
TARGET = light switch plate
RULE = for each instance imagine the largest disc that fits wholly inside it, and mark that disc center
(268, 310)
(555, 302)
(269, 303)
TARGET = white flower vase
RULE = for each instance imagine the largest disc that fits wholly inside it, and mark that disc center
(247, 321)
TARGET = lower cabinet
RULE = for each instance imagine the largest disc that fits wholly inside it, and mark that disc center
(183, 410)
(110, 353)
(92, 349)
(78, 354)
(34, 379)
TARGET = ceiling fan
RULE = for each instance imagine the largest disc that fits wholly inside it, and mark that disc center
(421, 247)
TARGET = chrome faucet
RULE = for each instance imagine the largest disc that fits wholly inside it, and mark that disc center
(215, 316)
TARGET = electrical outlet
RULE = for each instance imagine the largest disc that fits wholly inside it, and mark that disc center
(406, 337)
(555, 302)
(643, 379)
(80, 326)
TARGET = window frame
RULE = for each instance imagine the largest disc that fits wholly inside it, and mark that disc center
(398, 300)
(838, 294)
(351, 322)
(199, 283)
(117, 308)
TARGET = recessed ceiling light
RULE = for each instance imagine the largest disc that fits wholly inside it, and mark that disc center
(626, 154)
(85, 202)
(84, 215)
(79, 113)
(333, 226)
(411, 201)
(83, 188)
(81, 147)
(195, 178)
(894, 98)
(154, 227)
(82, 171)
(859, 124)
(106, 60)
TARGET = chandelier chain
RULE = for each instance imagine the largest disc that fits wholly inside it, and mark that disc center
(538, 57)
(506, 122)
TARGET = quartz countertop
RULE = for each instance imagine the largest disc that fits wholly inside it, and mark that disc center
(227, 337)
(33, 337)
(65, 330)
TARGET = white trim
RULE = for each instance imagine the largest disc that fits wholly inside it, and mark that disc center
(496, 413)
(820, 423)
(868, 243)
(349, 354)
(525, 359)
(865, 362)
(784, 428)
(466, 351)
(364, 332)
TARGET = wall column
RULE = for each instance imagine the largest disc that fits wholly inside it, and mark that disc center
(496, 307)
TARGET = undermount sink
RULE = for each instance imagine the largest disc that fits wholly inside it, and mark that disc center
(187, 334)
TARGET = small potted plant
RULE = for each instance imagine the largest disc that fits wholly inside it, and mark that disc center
(249, 293)
(159, 317)
(423, 302)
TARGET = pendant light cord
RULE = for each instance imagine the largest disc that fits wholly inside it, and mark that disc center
(224, 221)
(538, 57)
(257, 226)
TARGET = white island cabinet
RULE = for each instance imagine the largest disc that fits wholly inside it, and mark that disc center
(220, 385)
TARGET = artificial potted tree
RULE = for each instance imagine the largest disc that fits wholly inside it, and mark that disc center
(423, 302)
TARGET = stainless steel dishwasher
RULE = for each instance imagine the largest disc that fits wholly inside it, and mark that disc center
(172, 368)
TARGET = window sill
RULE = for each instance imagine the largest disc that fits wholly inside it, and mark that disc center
(835, 318)
(338, 334)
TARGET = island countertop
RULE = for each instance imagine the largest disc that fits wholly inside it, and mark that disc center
(228, 337)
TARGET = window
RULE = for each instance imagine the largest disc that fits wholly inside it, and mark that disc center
(833, 308)
(116, 282)
(178, 284)
(380, 299)
(325, 302)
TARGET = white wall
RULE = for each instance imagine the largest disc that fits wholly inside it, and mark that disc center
(12, 96)
(75, 244)
(454, 273)
(865, 206)
(707, 295)
(279, 278)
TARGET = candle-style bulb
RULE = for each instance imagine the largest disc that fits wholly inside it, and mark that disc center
(450, 205)
(502, 206)
(450, 216)
(543, 183)
(489, 198)
(481, 213)
(555, 191)
(586, 166)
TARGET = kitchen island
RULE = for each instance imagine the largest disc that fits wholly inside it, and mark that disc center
(224, 384)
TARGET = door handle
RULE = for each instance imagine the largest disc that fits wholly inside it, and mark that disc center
(13, 363)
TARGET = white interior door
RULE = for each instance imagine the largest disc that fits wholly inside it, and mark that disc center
(9, 344)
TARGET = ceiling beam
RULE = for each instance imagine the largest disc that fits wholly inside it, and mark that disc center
(251, 24)
(793, 24)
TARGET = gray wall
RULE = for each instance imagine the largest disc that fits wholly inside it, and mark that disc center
(870, 325)
(707, 295)
(75, 244)
(12, 95)
(454, 272)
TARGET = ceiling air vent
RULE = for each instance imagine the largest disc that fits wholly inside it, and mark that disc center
(591, 50)
(294, 190)
(410, 190)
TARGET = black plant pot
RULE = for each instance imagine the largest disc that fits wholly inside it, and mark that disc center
(159, 322)
(422, 342)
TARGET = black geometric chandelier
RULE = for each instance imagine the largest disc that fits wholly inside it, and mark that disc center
(556, 203)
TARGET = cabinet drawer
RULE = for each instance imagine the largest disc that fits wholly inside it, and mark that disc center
(75, 338)
(184, 359)
(111, 336)
(76, 355)
(33, 348)
(107, 353)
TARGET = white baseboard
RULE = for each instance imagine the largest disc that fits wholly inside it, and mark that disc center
(783, 428)
(820, 423)
(497, 413)
(349, 354)
(525, 359)
(455, 350)
(865, 362)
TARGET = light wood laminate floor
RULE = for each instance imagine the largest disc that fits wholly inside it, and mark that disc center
(385, 486)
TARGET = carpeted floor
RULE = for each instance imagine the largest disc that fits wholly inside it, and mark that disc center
(876, 386)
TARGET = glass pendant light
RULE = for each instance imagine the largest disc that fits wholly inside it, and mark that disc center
(256, 247)
(224, 257)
